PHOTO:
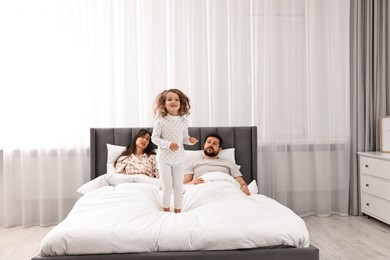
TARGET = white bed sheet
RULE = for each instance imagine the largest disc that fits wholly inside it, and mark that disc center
(216, 215)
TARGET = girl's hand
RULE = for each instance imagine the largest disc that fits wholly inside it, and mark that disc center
(173, 146)
(193, 140)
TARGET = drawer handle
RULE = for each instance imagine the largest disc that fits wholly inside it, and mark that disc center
(367, 204)
(367, 185)
(366, 165)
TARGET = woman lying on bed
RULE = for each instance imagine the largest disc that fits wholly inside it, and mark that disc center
(138, 157)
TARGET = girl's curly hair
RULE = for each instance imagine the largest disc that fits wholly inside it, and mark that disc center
(159, 104)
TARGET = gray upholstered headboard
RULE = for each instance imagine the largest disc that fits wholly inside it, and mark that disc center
(242, 138)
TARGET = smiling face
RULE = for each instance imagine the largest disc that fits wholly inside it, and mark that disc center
(142, 142)
(211, 146)
(172, 103)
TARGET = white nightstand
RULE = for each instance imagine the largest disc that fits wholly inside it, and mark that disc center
(374, 171)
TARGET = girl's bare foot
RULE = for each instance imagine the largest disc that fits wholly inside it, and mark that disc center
(177, 210)
(166, 209)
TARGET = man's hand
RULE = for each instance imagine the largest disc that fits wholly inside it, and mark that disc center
(196, 181)
(245, 189)
(243, 185)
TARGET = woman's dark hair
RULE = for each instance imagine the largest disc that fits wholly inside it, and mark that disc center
(130, 148)
(216, 136)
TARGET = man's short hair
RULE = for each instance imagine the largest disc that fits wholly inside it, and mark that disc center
(216, 136)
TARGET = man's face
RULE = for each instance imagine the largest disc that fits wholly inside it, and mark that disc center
(211, 146)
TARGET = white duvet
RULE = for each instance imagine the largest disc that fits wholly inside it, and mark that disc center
(216, 215)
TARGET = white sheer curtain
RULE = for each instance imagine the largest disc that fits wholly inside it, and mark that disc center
(74, 64)
(304, 99)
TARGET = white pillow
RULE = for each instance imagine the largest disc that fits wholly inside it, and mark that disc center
(226, 154)
(192, 155)
(253, 187)
(113, 152)
(114, 179)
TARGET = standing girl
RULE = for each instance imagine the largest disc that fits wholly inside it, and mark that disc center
(170, 132)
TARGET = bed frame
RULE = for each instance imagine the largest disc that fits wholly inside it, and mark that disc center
(244, 140)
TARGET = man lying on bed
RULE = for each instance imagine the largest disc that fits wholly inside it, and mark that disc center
(210, 162)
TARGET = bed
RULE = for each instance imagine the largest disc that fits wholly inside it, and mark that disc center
(213, 238)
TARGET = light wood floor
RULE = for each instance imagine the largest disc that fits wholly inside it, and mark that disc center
(337, 238)
(21, 243)
(350, 237)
